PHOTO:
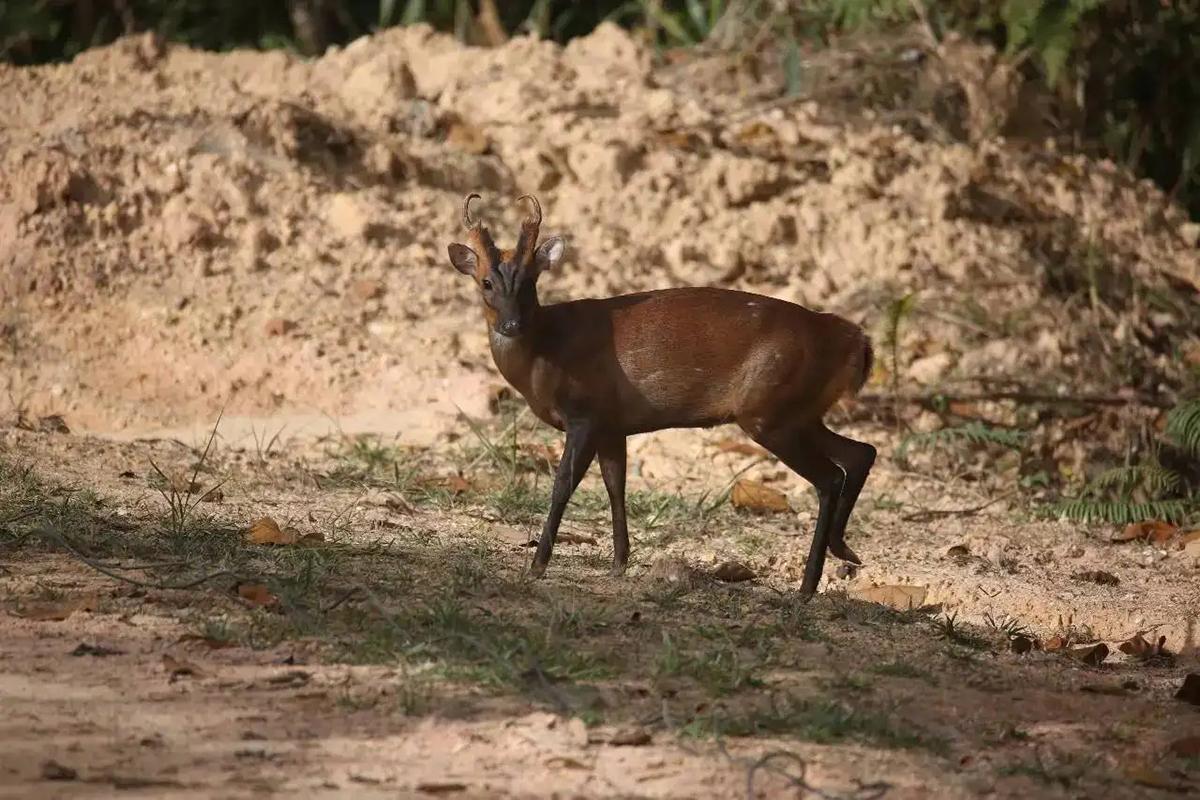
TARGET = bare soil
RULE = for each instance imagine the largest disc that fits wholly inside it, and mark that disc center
(185, 235)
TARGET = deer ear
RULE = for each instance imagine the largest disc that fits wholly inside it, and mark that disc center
(549, 253)
(463, 258)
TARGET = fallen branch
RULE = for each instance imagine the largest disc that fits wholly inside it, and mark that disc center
(1021, 396)
(57, 538)
(925, 515)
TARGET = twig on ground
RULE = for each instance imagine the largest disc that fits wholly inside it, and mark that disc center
(54, 537)
(1023, 396)
(926, 514)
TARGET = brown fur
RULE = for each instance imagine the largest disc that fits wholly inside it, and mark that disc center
(603, 369)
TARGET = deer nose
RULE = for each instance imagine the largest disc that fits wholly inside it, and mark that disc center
(510, 327)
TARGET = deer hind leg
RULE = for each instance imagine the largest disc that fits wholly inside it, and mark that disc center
(612, 455)
(799, 450)
(856, 459)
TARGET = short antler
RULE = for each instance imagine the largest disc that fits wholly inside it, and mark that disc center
(529, 230)
(537, 209)
(467, 223)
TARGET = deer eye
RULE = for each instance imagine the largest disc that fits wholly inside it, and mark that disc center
(487, 284)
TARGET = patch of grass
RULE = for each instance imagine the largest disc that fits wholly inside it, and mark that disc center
(817, 720)
(947, 627)
(720, 669)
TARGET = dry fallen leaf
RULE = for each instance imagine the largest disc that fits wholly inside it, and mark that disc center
(1093, 655)
(900, 598)
(177, 667)
(1097, 576)
(756, 497)
(310, 539)
(455, 484)
(1143, 650)
(733, 572)
(257, 594)
(740, 447)
(1189, 692)
(1055, 643)
(267, 531)
(1154, 530)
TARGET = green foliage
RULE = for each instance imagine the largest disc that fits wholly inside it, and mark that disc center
(1120, 512)
(1183, 427)
(1149, 490)
(974, 432)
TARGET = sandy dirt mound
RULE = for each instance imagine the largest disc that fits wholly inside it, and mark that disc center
(182, 228)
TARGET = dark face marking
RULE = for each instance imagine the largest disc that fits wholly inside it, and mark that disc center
(510, 290)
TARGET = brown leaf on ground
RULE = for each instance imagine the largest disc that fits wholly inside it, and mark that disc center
(1093, 654)
(311, 539)
(630, 737)
(740, 447)
(1056, 643)
(733, 572)
(900, 598)
(267, 531)
(256, 594)
(754, 496)
(1187, 747)
(1097, 576)
(1143, 650)
(177, 667)
(1189, 692)
(576, 538)
(1156, 531)
(455, 484)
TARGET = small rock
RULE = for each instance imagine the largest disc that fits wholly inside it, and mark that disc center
(1190, 233)
(54, 771)
(367, 289)
(278, 326)
(348, 217)
(630, 737)
(930, 368)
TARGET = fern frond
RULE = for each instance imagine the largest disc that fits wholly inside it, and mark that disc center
(976, 433)
(1120, 512)
(1183, 426)
(1154, 478)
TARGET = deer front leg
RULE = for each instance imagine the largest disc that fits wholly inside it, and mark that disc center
(577, 456)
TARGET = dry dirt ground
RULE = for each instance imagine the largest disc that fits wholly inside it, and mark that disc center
(183, 233)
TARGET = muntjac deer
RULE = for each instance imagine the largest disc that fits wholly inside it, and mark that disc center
(604, 369)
